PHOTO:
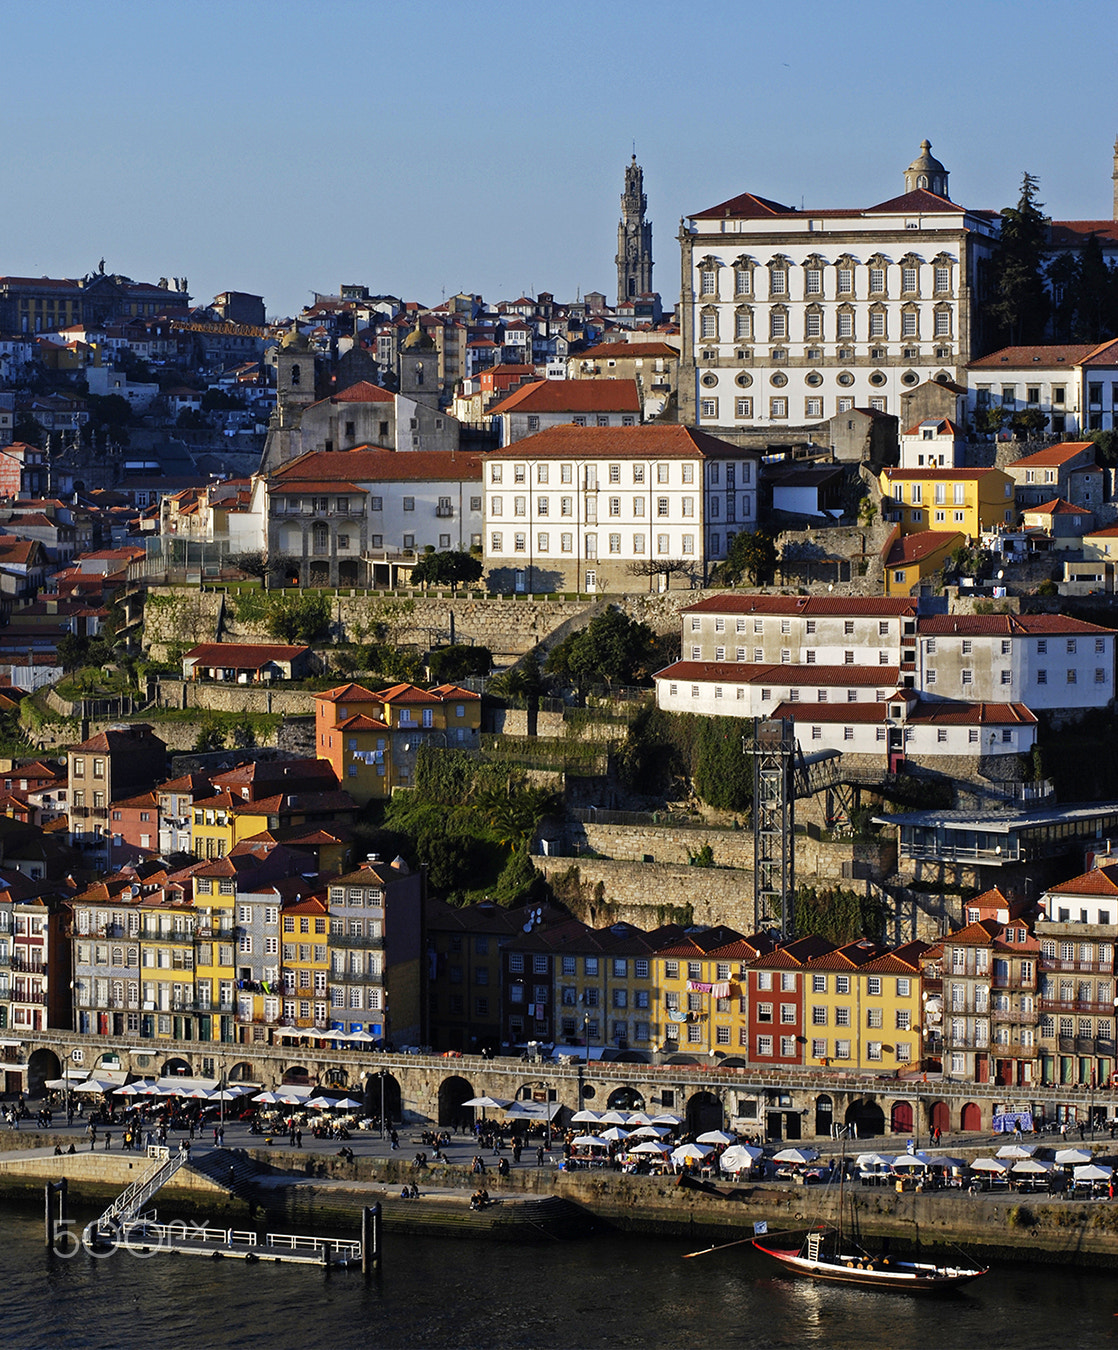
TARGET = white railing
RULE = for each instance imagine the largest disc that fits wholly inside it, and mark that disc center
(292, 1242)
(126, 1205)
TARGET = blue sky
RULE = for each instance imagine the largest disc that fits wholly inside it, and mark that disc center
(426, 148)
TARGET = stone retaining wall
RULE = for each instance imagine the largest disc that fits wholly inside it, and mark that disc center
(221, 696)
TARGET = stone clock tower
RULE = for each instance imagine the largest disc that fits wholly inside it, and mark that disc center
(634, 239)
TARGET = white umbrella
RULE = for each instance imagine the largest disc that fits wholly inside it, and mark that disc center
(796, 1155)
(585, 1117)
(995, 1165)
(652, 1132)
(615, 1118)
(691, 1153)
(289, 1099)
(651, 1146)
(94, 1085)
(864, 1161)
(361, 1036)
(1031, 1167)
(347, 1104)
(1016, 1151)
(1067, 1156)
(716, 1137)
(951, 1164)
(667, 1118)
(1093, 1172)
(199, 1094)
(321, 1103)
(639, 1118)
(128, 1090)
(331, 1035)
(224, 1095)
(266, 1098)
(740, 1157)
(494, 1103)
(151, 1090)
(615, 1134)
(589, 1141)
(912, 1160)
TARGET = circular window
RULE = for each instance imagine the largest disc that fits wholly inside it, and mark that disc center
(710, 379)
(910, 377)
(814, 379)
(878, 377)
(846, 378)
(779, 379)
(744, 379)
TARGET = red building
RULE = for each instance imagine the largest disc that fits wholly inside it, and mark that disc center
(775, 1009)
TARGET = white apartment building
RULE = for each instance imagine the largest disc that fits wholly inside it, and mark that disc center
(809, 630)
(1074, 384)
(573, 508)
(1047, 661)
(553, 403)
(710, 687)
(790, 316)
(355, 517)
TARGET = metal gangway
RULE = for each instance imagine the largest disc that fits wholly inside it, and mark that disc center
(144, 1237)
(127, 1206)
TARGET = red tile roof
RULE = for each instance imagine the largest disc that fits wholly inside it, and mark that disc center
(745, 672)
(242, 655)
(616, 350)
(1058, 354)
(1099, 881)
(293, 489)
(349, 693)
(572, 396)
(340, 467)
(1056, 507)
(1007, 625)
(914, 548)
(1052, 456)
(810, 606)
(962, 475)
(361, 392)
(971, 714)
(654, 441)
(909, 203)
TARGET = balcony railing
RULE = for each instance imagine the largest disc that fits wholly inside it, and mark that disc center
(1017, 1016)
(355, 977)
(1077, 967)
(21, 963)
(1082, 1007)
(370, 944)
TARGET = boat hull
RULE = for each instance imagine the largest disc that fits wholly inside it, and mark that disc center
(904, 1277)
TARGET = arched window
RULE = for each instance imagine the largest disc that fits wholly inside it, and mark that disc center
(296, 375)
(708, 324)
(813, 323)
(743, 323)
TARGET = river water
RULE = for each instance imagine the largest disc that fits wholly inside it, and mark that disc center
(602, 1291)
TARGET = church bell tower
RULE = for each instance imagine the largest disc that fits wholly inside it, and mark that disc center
(634, 239)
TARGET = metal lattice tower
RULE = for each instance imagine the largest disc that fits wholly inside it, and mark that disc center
(773, 751)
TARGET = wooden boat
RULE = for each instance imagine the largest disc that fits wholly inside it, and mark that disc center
(821, 1259)
(873, 1272)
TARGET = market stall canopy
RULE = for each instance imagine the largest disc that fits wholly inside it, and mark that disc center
(615, 1134)
(1068, 1156)
(667, 1118)
(652, 1132)
(1093, 1172)
(919, 1159)
(589, 1141)
(651, 1146)
(583, 1117)
(995, 1165)
(740, 1157)
(716, 1137)
(1016, 1151)
(1031, 1167)
(492, 1103)
(691, 1153)
(796, 1155)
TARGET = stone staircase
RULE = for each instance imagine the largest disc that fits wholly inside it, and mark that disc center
(231, 1169)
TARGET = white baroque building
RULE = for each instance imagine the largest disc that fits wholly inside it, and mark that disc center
(792, 315)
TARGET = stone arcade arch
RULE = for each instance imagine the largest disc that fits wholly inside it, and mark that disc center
(381, 1085)
(940, 1117)
(625, 1099)
(41, 1065)
(824, 1114)
(900, 1118)
(335, 1078)
(866, 1116)
(704, 1112)
(298, 1075)
(970, 1118)
(176, 1066)
(452, 1093)
(241, 1072)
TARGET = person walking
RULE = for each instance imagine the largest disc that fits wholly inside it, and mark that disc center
(539, 1156)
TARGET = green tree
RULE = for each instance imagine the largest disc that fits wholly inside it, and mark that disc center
(301, 618)
(1019, 304)
(723, 775)
(452, 568)
(211, 735)
(650, 758)
(1027, 422)
(520, 883)
(448, 664)
(1095, 293)
(28, 430)
(752, 555)
(611, 649)
(837, 914)
(991, 419)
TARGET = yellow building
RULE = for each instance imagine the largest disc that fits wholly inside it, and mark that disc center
(960, 500)
(862, 1008)
(216, 939)
(271, 795)
(911, 558)
(305, 955)
(699, 1004)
